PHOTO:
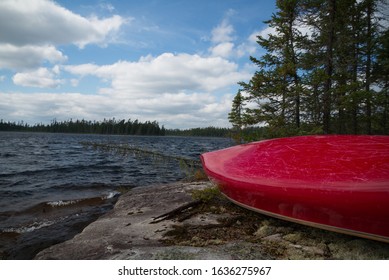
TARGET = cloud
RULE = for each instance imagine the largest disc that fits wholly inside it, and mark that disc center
(172, 110)
(222, 37)
(223, 41)
(223, 49)
(248, 47)
(45, 22)
(41, 78)
(24, 57)
(40, 107)
(82, 69)
(223, 32)
(264, 33)
(304, 29)
(180, 103)
(166, 73)
(32, 30)
(177, 90)
(180, 90)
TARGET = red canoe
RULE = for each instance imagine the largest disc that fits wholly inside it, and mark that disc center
(338, 182)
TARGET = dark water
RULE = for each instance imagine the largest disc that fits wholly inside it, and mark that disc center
(51, 186)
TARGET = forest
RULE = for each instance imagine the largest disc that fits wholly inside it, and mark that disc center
(324, 70)
(202, 132)
(113, 126)
(110, 126)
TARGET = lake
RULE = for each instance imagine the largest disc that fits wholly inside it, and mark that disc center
(52, 186)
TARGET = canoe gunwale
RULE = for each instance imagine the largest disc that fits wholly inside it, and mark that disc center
(311, 224)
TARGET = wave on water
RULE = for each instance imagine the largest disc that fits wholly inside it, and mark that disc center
(29, 228)
(62, 203)
(111, 195)
(100, 166)
(48, 213)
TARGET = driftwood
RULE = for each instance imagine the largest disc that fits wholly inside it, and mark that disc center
(178, 211)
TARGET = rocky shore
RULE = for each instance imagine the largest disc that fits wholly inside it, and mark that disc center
(194, 221)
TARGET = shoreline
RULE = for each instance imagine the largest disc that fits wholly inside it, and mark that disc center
(49, 223)
(213, 229)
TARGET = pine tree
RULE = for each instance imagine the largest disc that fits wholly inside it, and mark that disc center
(236, 116)
(276, 87)
(333, 79)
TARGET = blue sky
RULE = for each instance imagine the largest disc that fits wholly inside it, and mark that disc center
(173, 61)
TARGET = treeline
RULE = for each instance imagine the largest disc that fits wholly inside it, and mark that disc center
(113, 126)
(325, 70)
(110, 126)
(202, 132)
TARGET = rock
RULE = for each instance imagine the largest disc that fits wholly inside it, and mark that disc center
(126, 231)
(264, 231)
(216, 229)
(273, 238)
(293, 237)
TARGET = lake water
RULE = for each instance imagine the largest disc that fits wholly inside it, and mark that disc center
(51, 185)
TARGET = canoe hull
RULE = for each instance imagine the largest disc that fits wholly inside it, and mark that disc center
(340, 183)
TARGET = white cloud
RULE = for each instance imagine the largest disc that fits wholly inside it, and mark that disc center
(171, 110)
(218, 110)
(200, 110)
(179, 91)
(167, 73)
(103, 30)
(222, 37)
(74, 82)
(265, 33)
(223, 49)
(179, 103)
(23, 57)
(253, 38)
(45, 22)
(222, 33)
(32, 30)
(42, 78)
(223, 46)
(82, 69)
(249, 47)
(47, 106)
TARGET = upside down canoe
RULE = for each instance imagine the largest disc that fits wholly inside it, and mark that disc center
(334, 182)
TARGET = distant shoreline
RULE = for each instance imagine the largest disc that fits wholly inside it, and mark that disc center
(114, 127)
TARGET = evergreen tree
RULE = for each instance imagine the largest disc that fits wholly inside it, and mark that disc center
(110, 126)
(276, 87)
(236, 116)
(330, 80)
